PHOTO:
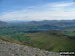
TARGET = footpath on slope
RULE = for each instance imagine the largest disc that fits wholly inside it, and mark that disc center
(13, 49)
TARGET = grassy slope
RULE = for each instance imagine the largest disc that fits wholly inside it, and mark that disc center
(48, 40)
(52, 41)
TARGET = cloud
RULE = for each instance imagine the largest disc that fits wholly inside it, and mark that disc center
(62, 4)
(50, 11)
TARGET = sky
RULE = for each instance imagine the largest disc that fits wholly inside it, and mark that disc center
(26, 10)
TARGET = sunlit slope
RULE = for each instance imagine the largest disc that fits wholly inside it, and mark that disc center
(53, 41)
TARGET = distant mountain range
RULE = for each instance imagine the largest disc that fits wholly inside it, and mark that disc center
(45, 24)
(51, 24)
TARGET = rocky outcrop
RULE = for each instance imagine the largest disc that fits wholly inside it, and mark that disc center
(13, 49)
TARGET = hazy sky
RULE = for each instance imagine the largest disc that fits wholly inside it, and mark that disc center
(37, 9)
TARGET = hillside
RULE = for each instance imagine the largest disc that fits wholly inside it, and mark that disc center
(3, 24)
(53, 41)
(12, 49)
(48, 40)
